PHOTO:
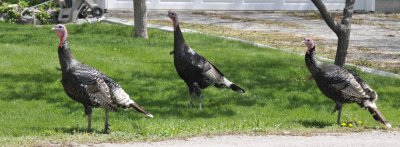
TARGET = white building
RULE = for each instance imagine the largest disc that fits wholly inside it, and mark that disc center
(363, 5)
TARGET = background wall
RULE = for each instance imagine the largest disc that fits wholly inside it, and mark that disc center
(387, 5)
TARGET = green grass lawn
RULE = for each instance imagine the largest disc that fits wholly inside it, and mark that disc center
(279, 96)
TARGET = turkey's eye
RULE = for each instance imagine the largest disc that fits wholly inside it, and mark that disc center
(60, 27)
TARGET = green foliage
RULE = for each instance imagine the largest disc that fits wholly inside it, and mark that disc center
(27, 2)
(4, 8)
(10, 1)
(13, 11)
(35, 2)
(22, 4)
(44, 16)
(49, 5)
(279, 95)
(12, 16)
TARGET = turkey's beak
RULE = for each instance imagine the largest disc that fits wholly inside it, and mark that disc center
(54, 28)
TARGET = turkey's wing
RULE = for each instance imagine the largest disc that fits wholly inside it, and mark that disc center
(203, 65)
(344, 82)
(95, 87)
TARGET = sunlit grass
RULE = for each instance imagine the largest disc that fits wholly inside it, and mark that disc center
(279, 97)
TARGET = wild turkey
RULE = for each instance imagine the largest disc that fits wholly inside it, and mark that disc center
(341, 85)
(197, 72)
(89, 86)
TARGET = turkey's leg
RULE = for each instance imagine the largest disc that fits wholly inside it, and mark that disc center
(191, 95)
(191, 100)
(339, 109)
(200, 101)
(197, 92)
(88, 112)
(106, 125)
(89, 122)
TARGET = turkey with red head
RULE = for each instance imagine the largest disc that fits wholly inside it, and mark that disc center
(89, 86)
(342, 86)
(197, 72)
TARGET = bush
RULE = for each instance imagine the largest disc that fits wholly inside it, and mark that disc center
(4, 8)
(12, 16)
(10, 1)
(35, 2)
(12, 12)
(44, 17)
(29, 2)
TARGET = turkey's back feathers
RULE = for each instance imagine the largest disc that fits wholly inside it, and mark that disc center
(196, 68)
(91, 86)
(340, 85)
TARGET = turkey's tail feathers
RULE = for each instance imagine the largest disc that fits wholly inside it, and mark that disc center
(378, 116)
(231, 85)
(141, 110)
(236, 88)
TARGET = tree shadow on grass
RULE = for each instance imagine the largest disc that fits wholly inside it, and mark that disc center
(175, 101)
(263, 88)
(30, 86)
(42, 85)
(314, 123)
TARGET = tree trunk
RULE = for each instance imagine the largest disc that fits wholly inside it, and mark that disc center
(341, 52)
(342, 30)
(140, 18)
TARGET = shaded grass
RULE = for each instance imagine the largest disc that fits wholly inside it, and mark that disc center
(279, 98)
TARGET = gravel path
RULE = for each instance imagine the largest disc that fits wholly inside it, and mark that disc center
(364, 139)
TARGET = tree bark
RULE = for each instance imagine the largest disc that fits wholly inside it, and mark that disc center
(341, 30)
(341, 52)
(140, 18)
(326, 15)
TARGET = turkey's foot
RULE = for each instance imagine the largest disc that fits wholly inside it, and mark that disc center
(107, 129)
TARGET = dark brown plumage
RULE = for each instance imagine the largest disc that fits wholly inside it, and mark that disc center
(342, 86)
(197, 72)
(89, 86)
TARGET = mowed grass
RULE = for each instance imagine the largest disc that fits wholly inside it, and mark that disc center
(279, 98)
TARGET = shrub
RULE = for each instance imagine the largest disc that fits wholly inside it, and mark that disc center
(12, 12)
(12, 16)
(10, 1)
(29, 2)
(35, 2)
(44, 16)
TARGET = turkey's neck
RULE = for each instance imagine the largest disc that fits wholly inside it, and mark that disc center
(178, 38)
(311, 63)
(65, 56)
